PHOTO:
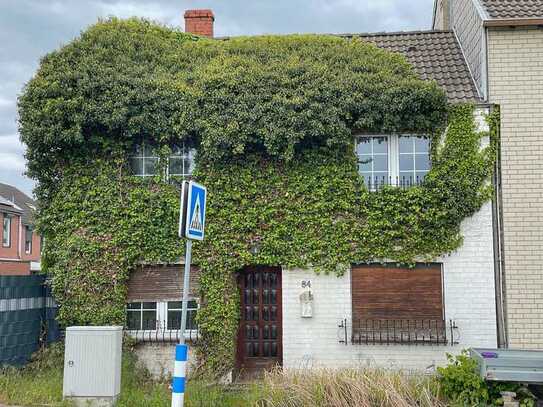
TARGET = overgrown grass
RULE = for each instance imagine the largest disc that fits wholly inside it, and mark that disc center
(350, 388)
(40, 384)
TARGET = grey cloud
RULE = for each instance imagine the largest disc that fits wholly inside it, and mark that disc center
(31, 28)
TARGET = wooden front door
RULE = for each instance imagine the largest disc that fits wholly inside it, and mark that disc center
(260, 345)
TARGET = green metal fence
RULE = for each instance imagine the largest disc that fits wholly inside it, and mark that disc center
(27, 317)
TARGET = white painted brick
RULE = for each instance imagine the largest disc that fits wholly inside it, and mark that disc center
(469, 300)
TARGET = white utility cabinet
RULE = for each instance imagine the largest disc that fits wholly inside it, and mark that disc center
(92, 365)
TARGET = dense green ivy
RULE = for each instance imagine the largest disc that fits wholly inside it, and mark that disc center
(273, 119)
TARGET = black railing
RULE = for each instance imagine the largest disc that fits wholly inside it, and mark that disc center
(398, 331)
(377, 183)
(162, 332)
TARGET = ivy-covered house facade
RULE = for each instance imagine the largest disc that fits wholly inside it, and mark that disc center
(350, 218)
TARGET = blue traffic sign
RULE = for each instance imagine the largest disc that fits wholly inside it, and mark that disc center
(196, 211)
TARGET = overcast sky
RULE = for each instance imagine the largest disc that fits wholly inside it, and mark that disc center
(31, 28)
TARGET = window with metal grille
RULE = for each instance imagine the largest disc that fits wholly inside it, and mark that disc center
(392, 304)
(141, 316)
(402, 160)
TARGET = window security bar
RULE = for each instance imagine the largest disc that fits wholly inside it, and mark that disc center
(398, 331)
(158, 331)
(404, 182)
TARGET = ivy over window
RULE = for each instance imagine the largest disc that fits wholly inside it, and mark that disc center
(273, 120)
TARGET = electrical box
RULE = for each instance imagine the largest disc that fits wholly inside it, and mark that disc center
(92, 365)
(509, 365)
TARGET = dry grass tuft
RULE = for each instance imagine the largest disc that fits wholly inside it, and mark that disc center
(349, 388)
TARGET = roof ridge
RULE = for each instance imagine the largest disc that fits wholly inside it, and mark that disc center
(365, 34)
(381, 33)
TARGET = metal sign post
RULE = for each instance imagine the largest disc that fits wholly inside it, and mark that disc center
(191, 226)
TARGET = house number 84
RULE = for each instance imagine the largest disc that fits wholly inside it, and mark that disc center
(306, 283)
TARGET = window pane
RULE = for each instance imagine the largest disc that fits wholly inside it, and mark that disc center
(380, 163)
(149, 305)
(151, 165)
(176, 166)
(28, 239)
(191, 320)
(6, 230)
(363, 146)
(406, 162)
(174, 319)
(188, 164)
(133, 320)
(150, 151)
(189, 161)
(422, 162)
(133, 305)
(422, 144)
(364, 163)
(380, 145)
(406, 144)
(149, 320)
(177, 305)
(136, 164)
(177, 150)
(138, 150)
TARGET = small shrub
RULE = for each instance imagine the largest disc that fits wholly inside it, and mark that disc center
(460, 381)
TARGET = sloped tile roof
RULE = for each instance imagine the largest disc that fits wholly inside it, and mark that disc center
(21, 200)
(505, 9)
(436, 55)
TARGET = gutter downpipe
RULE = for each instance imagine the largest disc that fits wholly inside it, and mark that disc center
(499, 262)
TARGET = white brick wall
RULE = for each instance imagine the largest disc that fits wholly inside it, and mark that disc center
(469, 300)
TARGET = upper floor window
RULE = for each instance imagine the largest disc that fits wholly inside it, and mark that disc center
(6, 230)
(181, 161)
(28, 239)
(145, 161)
(393, 160)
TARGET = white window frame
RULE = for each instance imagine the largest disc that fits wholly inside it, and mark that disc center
(186, 153)
(393, 153)
(189, 153)
(6, 242)
(28, 229)
(144, 146)
(161, 317)
(140, 311)
(165, 304)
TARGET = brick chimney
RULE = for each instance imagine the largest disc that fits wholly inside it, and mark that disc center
(199, 22)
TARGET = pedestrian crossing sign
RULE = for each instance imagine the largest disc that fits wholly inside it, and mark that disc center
(195, 211)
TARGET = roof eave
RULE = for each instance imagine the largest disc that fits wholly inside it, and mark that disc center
(514, 22)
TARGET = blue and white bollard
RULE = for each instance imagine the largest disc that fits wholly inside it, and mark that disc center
(180, 368)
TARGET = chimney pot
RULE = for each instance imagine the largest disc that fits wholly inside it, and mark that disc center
(199, 22)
